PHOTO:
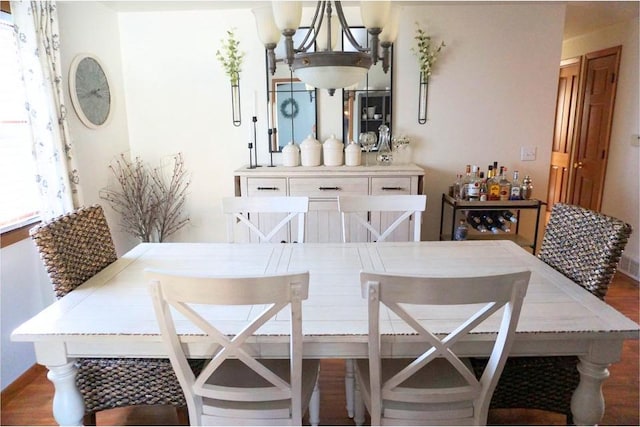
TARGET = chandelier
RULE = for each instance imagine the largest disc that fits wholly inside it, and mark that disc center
(325, 67)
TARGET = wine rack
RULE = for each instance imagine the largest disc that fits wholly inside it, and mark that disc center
(453, 206)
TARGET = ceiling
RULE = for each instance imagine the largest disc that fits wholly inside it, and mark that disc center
(581, 16)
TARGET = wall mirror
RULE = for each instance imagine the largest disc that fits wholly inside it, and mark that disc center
(291, 104)
(368, 104)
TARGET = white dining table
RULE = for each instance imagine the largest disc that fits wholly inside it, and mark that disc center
(111, 315)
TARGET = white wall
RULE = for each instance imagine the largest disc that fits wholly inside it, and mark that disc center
(493, 91)
(621, 192)
(91, 27)
(25, 290)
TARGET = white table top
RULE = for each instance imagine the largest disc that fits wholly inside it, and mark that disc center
(112, 315)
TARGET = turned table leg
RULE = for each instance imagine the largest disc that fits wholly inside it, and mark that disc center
(68, 406)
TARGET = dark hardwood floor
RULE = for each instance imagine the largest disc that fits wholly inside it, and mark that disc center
(29, 403)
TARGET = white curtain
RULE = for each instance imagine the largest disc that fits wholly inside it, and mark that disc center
(36, 25)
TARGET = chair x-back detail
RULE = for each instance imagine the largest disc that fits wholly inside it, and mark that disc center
(438, 386)
(586, 247)
(235, 387)
(246, 209)
(352, 209)
(74, 247)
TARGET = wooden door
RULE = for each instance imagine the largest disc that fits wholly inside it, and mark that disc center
(591, 150)
(564, 132)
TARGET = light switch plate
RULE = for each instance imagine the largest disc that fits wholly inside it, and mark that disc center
(527, 154)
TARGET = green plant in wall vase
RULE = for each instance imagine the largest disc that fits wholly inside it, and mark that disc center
(427, 55)
(231, 58)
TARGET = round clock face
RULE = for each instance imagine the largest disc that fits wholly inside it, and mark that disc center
(90, 93)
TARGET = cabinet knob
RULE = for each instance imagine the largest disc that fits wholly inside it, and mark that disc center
(392, 189)
(329, 188)
(578, 165)
(268, 188)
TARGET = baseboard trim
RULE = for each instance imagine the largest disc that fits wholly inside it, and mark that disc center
(13, 389)
(629, 267)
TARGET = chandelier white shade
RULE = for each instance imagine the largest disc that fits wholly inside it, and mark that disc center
(325, 67)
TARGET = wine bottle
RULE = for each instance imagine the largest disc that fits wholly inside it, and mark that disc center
(509, 216)
(476, 221)
(488, 222)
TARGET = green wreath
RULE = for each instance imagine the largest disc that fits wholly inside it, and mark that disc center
(284, 108)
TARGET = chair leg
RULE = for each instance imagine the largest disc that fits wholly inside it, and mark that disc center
(183, 415)
(314, 406)
(349, 381)
(358, 404)
(89, 419)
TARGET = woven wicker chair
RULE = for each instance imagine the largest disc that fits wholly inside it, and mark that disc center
(586, 247)
(74, 247)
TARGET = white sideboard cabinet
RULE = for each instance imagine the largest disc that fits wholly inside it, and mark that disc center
(323, 185)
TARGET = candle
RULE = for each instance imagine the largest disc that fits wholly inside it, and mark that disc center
(255, 103)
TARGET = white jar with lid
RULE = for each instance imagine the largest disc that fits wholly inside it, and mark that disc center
(291, 155)
(333, 151)
(353, 154)
(310, 152)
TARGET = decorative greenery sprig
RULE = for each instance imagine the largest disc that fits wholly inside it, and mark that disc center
(230, 57)
(150, 208)
(426, 53)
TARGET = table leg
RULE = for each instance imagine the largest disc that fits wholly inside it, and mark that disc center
(349, 389)
(68, 405)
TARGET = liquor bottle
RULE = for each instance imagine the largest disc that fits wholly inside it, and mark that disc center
(489, 172)
(509, 216)
(456, 187)
(505, 185)
(515, 187)
(488, 222)
(494, 185)
(462, 231)
(465, 182)
(476, 221)
(526, 188)
(484, 191)
(473, 186)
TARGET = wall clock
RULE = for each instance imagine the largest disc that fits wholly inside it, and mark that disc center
(90, 91)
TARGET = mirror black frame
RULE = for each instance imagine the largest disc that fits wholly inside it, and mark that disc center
(355, 101)
(275, 143)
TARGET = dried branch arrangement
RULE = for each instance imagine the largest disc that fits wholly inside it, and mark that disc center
(150, 207)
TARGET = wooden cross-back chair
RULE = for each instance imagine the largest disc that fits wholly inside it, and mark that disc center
(235, 387)
(586, 247)
(438, 386)
(357, 210)
(74, 247)
(247, 211)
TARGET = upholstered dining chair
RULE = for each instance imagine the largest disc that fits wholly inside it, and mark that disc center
(586, 247)
(236, 388)
(438, 386)
(360, 210)
(376, 217)
(74, 247)
(257, 214)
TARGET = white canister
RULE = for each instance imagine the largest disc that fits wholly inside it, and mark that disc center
(310, 152)
(333, 151)
(291, 155)
(353, 154)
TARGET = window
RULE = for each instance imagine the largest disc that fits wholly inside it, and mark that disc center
(19, 198)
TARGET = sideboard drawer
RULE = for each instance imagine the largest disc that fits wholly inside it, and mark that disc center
(266, 187)
(328, 187)
(391, 185)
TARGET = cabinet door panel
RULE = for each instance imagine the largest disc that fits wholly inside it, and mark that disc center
(387, 186)
(268, 187)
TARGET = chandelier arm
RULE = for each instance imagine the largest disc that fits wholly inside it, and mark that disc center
(303, 47)
(347, 31)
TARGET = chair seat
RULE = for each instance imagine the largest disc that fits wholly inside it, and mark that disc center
(437, 374)
(227, 375)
